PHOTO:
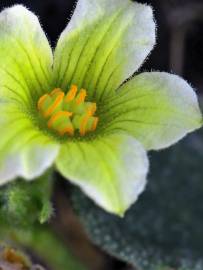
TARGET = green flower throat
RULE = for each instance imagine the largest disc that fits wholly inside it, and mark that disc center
(66, 114)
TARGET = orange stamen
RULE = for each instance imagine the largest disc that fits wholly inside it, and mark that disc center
(41, 101)
(72, 93)
(56, 116)
(81, 97)
(92, 109)
(83, 125)
(54, 105)
(68, 130)
(56, 90)
(95, 123)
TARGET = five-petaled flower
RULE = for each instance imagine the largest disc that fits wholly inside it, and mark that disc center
(75, 109)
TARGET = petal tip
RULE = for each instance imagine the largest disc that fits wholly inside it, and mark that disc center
(15, 8)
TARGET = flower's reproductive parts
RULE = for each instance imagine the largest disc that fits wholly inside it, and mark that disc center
(68, 113)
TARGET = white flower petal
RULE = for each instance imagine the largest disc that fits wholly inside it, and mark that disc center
(157, 108)
(105, 42)
(111, 170)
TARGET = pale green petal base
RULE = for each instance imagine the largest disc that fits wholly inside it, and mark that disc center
(111, 170)
(157, 108)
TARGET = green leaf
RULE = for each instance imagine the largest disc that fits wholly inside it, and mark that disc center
(157, 108)
(25, 57)
(46, 211)
(164, 228)
(105, 42)
(23, 204)
(111, 170)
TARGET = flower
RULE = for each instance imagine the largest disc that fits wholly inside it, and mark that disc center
(73, 109)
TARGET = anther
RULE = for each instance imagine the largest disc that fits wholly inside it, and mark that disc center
(56, 91)
(70, 113)
(81, 96)
(56, 116)
(56, 103)
(41, 101)
(71, 94)
(92, 109)
(68, 130)
(95, 123)
(83, 125)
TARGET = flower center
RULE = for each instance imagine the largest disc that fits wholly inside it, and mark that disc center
(68, 113)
